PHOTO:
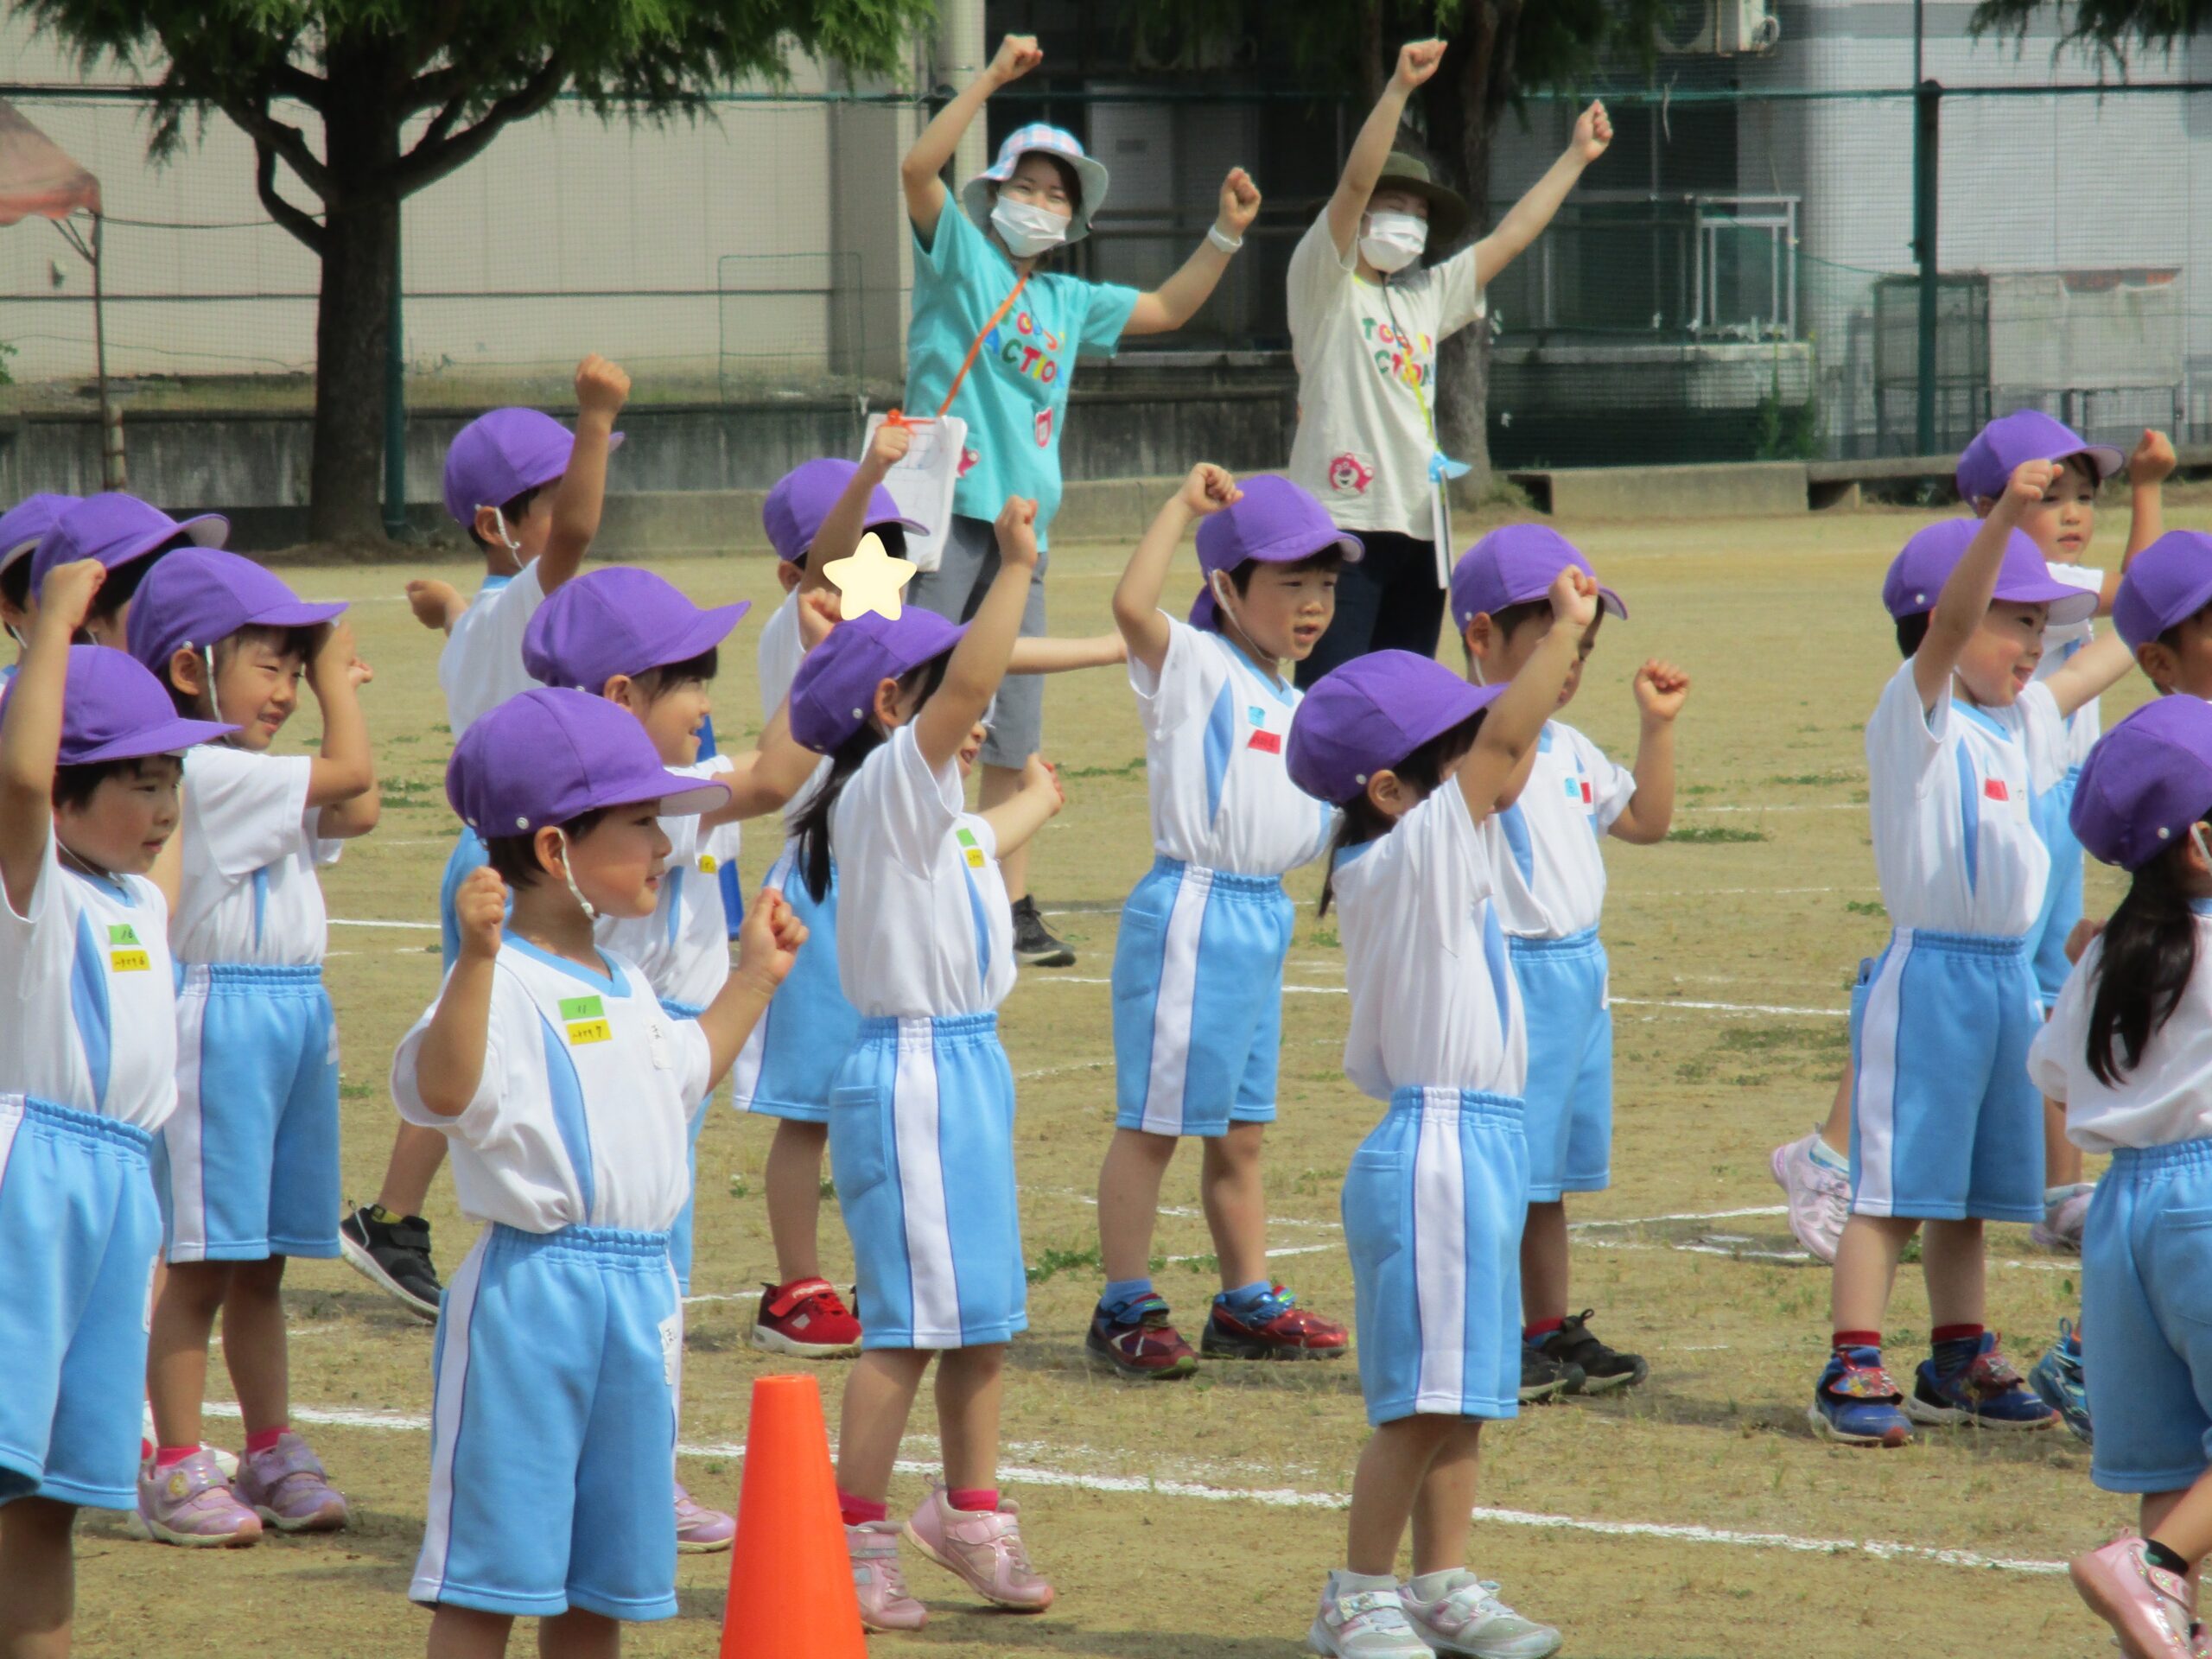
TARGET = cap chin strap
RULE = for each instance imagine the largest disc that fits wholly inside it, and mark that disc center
(21, 644)
(576, 892)
(1220, 586)
(214, 700)
(499, 519)
(2197, 834)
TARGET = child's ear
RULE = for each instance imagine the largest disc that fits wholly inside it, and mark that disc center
(886, 709)
(548, 843)
(622, 689)
(790, 575)
(2157, 664)
(487, 528)
(187, 672)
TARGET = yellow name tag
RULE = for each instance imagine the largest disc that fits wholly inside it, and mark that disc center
(129, 961)
(705, 864)
(974, 858)
(589, 1030)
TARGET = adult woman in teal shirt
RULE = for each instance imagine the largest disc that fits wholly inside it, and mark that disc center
(978, 286)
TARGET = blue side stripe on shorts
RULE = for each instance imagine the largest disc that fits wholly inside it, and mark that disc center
(88, 1001)
(1970, 806)
(568, 1110)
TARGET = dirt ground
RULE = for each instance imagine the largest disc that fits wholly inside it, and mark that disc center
(1695, 1516)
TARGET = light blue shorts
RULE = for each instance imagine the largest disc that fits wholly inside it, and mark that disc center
(247, 1168)
(921, 1142)
(2062, 900)
(79, 1238)
(1569, 1110)
(1944, 1123)
(1197, 1000)
(558, 1360)
(679, 1232)
(1433, 1207)
(467, 854)
(2146, 1318)
(789, 1063)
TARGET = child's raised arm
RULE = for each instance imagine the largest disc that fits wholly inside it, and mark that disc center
(344, 780)
(2149, 467)
(764, 778)
(2090, 672)
(1508, 736)
(1029, 808)
(1136, 596)
(436, 604)
(30, 724)
(1973, 583)
(602, 390)
(1050, 656)
(1418, 61)
(449, 1065)
(979, 661)
(920, 167)
(839, 535)
(1661, 690)
(768, 942)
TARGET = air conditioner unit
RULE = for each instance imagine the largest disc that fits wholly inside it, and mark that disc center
(1724, 27)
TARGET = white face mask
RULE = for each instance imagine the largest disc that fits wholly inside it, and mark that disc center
(1027, 230)
(1394, 240)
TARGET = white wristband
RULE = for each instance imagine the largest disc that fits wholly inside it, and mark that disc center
(1226, 243)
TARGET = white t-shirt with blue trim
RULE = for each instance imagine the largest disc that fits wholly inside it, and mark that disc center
(481, 667)
(250, 893)
(1552, 883)
(2166, 1096)
(683, 946)
(2061, 643)
(582, 1116)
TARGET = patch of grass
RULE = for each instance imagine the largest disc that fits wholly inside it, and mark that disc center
(1323, 938)
(1865, 907)
(1812, 779)
(1204, 1264)
(1127, 769)
(1756, 1039)
(1698, 789)
(1715, 835)
(1057, 1260)
(1313, 1183)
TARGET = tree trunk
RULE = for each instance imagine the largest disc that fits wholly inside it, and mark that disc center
(1463, 104)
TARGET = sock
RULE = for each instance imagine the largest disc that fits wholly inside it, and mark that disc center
(1531, 1334)
(1828, 1158)
(1433, 1586)
(859, 1511)
(145, 1451)
(382, 1217)
(1345, 1582)
(981, 1500)
(2054, 1195)
(1954, 1346)
(2072, 1346)
(1245, 1299)
(263, 1439)
(2158, 1555)
(1122, 1295)
(168, 1457)
(1857, 1339)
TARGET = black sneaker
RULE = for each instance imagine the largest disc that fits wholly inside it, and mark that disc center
(1032, 942)
(1543, 1377)
(1602, 1368)
(393, 1253)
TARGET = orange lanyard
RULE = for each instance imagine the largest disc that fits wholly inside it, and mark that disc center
(976, 345)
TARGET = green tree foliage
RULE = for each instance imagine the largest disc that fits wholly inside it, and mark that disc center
(2107, 27)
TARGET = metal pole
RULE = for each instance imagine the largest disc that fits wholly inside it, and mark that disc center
(113, 476)
(395, 406)
(1927, 145)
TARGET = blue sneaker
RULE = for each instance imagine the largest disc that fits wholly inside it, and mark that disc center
(1856, 1403)
(2057, 1380)
(1986, 1391)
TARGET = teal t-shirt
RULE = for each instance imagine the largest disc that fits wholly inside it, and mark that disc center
(1016, 396)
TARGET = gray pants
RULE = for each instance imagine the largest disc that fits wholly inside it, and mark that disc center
(953, 590)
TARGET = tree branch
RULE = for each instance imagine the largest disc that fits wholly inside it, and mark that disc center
(264, 183)
(433, 157)
(283, 140)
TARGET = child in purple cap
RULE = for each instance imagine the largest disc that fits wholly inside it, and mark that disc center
(22, 528)
(1550, 894)
(568, 1092)
(88, 797)
(921, 1112)
(2128, 1054)
(528, 492)
(2164, 611)
(247, 1168)
(128, 536)
(1198, 958)
(1418, 762)
(1946, 1128)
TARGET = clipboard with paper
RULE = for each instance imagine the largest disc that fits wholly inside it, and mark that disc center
(923, 481)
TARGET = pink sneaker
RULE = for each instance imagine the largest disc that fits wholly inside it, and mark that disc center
(190, 1503)
(885, 1603)
(1820, 1198)
(286, 1487)
(982, 1548)
(2150, 1609)
(2060, 1230)
(700, 1530)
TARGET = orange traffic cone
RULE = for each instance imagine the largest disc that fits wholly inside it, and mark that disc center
(790, 1580)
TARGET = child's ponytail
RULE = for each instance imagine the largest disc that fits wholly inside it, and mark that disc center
(811, 828)
(2149, 951)
(1360, 820)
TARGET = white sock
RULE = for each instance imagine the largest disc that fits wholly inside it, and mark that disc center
(1345, 1582)
(1434, 1587)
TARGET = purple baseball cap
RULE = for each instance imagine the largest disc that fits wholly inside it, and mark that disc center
(1917, 576)
(1370, 714)
(24, 525)
(619, 621)
(498, 455)
(1516, 564)
(835, 686)
(802, 498)
(2166, 583)
(117, 530)
(1987, 464)
(1275, 522)
(2146, 781)
(200, 595)
(550, 755)
(113, 709)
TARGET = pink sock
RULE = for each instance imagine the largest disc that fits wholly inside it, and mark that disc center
(168, 1457)
(859, 1511)
(263, 1439)
(984, 1499)
(145, 1451)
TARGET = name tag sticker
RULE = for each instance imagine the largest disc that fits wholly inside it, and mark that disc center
(128, 961)
(705, 864)
(1266, 742)
(969, 849)
(1994, 788)
(586, 1017)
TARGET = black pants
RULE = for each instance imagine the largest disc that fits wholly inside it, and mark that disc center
(1388, 602)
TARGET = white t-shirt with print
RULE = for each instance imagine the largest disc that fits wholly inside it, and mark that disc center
(250, 893)
(2164, 1098)
(1366, 357)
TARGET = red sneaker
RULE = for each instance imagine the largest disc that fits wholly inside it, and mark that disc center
(1141, 1344)
(807, 1318)
(1279, 1329)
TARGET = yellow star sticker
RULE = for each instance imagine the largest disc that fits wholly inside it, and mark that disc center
(869, 580)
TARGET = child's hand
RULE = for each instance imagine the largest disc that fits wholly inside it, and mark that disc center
(1017, 532)
(67, 594)
(768, 940)
(2031, 481)
(601, 386)
(359, 672)
(1417, 61)
(480, 911)
(1042, 776)
(434, 603)
(1017, 55)
(818, 612)
(1209, 489)
(888, 446)
(334, 652)
(2152, 461)
(1661, 690)
(1240, 204)
(2077, 942)
(1574, 599)
(1594, 134)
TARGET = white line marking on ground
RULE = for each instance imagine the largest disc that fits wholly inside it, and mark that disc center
(1700, 1215)
(1730, 1007)
(1285, 1498)
(1822, 806)
(346, 921)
